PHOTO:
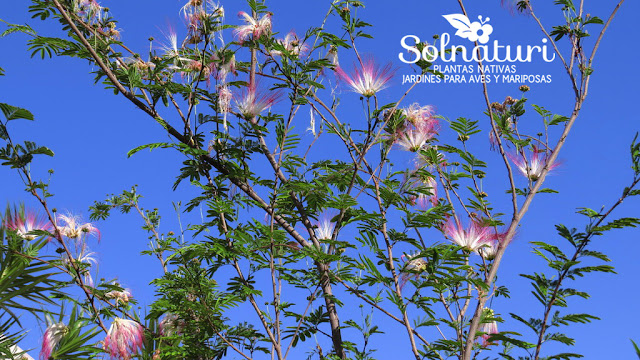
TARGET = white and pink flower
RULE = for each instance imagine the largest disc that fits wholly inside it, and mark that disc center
(73, 229)
(253, 102)
(292, 44)
(324, 228)
(413, 266)
(170, 325)
(53, 334)
(472, 238)
(171, 49)
(224, 99)
(533, 166)
(332, 55)
(89, 8)
(367, 79)
(86, 260)
(121, 297)
(424, 201)
(413, 139)
(191, 5)
(222, 65)
(124, 339)
(252, 26)
(488, 328)
(420, 116)
(488, 250)
(419, 128)
(24, 224)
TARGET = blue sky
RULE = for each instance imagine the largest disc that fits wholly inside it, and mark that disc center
(90, 130)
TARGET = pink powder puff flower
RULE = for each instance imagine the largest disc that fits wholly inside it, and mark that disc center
(324, 229)
(194, 25)
(224, 103)
(253, 103)
(367, 80)
(413, 266)
(292, 44)
(533, 166)
(171, 324)
(219, 9)
(193, 13)
(122, 297)
(413, 139)
(425, 200)
(312, 122)
(90, 5)
(252, 27)
(488, 250)
(416, 132)
(265, 24)
(221, 66)
(224, 99)
(488, 328)
(91, 10)
(428, 195)
(419, 115)
(73, 229)
(86, 259)
(332, 55)
(493, 141)
(113, 33)
(194, 69)
(191, 5)
(171, 49)
(52, 336)
(421, 118)
(143, 66)
(124, 339)
(471, 238)
(24, 224)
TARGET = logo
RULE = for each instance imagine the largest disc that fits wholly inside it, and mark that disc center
(473, 31)
(462, 60)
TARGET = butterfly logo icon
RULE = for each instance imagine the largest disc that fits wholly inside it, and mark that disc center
(473, 31)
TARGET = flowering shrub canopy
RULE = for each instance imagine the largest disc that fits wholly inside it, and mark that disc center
(296, 251)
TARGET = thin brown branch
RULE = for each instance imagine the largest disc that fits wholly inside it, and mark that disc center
(557, 51)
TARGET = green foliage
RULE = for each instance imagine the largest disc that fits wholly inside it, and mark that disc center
(578, 261)
(27, 285)
(636, 348)
(77, 339)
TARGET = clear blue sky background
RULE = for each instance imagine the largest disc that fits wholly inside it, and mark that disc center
(90, 130)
